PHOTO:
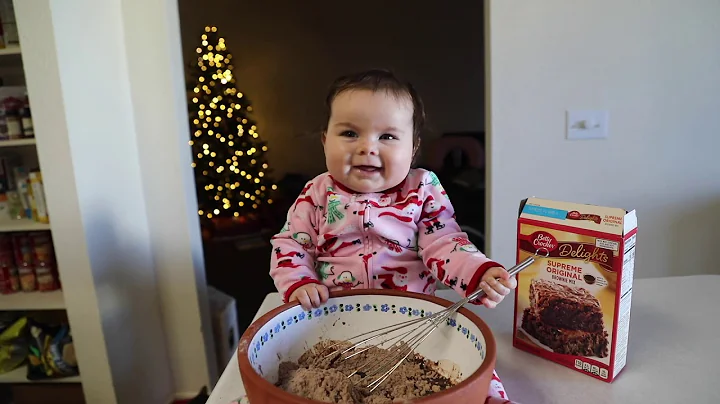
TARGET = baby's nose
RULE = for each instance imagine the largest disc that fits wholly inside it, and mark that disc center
(367, 146)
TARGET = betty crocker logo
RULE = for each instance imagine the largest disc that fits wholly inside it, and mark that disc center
(544, 240)
(575, 215)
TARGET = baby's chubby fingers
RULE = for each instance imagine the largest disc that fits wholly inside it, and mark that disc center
(314, 296)
(498, 286)
(304, 299)
(324, 293)
(492, 297)
(510, 283)
(500, 280)
(311, 296)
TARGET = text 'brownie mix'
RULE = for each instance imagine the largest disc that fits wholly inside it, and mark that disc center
(572, 306)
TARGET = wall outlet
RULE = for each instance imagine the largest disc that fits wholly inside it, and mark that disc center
(586, 124)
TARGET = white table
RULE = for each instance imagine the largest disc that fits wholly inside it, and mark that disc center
(673, 356)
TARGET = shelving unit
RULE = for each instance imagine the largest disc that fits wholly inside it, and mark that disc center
(120, 195)
(27, 302)
(8, 225)
(33, 301)
(10, 50)
(19, 376)
(17, 142)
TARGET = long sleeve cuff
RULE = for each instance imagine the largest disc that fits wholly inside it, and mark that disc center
(294, 286)
(475, 280)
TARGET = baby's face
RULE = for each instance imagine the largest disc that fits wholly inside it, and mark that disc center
(369, 142)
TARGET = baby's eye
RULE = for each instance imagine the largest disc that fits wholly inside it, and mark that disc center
(388, 136)
(348, 133)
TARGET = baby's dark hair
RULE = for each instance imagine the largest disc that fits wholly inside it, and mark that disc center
(378, 80)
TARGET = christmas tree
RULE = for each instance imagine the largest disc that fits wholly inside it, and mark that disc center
(231, 170)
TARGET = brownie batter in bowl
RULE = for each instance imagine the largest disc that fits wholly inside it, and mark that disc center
(319, 377)
(280, 360)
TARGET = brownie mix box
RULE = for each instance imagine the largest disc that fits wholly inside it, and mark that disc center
(572, 306)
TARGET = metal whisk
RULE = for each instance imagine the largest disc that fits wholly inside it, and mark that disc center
(407, 335)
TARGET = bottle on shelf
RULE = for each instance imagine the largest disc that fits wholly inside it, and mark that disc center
(2, 36)
(9, 278)
(44, 258)
(12, 117)
(14, 188)
(22, 193)
(3, 123)
(22, 245)
(28, 131)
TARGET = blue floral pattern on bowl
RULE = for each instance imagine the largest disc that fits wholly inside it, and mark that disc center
(384, 309)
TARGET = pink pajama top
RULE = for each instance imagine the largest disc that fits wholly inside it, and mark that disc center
(405, 238)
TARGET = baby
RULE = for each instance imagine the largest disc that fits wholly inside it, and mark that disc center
(372, 221)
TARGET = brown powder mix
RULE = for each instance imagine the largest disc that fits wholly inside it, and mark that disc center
(318, 377)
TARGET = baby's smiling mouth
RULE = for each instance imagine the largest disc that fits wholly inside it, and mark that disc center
(367, 168)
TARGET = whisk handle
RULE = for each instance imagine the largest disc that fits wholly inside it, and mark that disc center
(512, 271)
(519, 267)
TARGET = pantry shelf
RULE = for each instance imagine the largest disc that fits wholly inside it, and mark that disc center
(19, 375)
(7, 225)
(33, 301)
(10, 50)
(17, 142)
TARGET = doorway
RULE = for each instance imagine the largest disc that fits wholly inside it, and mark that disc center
(285, 54)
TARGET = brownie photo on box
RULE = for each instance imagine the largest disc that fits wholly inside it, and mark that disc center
(566, 307)
(565, 319)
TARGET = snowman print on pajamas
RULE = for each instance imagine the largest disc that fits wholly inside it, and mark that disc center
(304, 240)
(346, 280)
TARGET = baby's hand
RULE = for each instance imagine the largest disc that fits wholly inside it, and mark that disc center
(311, 295)
(495, 291)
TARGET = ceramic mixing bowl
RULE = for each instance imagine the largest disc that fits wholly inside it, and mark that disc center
(464, 342)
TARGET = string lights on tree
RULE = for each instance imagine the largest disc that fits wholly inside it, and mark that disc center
(231, 170)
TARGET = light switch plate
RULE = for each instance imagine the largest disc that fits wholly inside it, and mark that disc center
(586, 124)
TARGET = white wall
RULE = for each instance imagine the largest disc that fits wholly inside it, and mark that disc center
(287, 52)
(655, 65)
(95, 199)
(109, 116)
(157, 85)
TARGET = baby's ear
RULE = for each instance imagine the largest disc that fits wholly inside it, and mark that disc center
(323, 136)
(416, 147)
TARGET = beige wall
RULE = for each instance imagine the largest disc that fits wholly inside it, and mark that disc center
(287, 52)
(655, 65)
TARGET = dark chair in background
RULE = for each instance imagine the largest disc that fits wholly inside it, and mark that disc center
(458, 159)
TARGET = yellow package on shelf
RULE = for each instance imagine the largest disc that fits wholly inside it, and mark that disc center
(13, 346)
(39, 208)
